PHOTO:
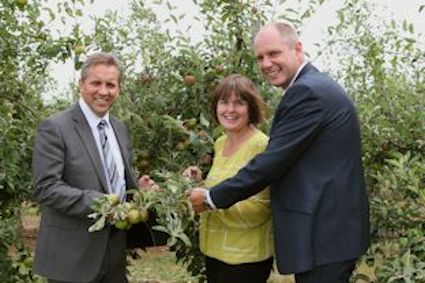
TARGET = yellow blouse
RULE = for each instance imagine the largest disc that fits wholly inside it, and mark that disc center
(243, 232)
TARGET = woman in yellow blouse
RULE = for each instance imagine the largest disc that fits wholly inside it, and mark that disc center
(237, 241)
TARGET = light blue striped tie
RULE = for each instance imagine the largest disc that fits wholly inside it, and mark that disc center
(109, 161)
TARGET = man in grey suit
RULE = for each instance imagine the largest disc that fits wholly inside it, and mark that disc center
(312, 164)
(71, 169)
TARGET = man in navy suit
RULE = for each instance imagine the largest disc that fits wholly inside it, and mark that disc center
(312, 165)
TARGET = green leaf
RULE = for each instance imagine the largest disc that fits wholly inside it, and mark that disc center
(203, 121)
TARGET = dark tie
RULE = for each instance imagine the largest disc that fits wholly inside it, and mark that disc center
(109, 161)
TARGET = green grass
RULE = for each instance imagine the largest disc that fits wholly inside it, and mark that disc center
(159, 266)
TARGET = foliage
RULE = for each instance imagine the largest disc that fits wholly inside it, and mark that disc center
(383, 72)
(176, 218)
(26, 49)
(169, 76)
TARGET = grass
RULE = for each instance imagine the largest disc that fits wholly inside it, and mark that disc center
(159, 266)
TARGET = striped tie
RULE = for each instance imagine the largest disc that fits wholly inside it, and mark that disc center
(109, 161)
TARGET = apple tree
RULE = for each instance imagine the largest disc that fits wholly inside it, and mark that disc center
(381, 63)
(26, 49)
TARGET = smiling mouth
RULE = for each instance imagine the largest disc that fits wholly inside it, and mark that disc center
(272, 73)
(230, 118)
(102, 100)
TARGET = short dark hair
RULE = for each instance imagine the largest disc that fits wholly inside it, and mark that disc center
(244, 88)
(101, 58)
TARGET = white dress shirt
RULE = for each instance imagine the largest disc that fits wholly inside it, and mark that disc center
(93, 121)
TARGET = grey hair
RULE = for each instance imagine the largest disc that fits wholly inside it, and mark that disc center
(101, 58)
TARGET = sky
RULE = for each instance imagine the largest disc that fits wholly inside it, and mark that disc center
(312, 33)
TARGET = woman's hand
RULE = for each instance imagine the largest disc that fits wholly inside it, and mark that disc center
(193, 172)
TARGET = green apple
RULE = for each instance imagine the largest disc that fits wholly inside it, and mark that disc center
(114, 199)
(137, 195)
(143, 215)
(21, 3)
(78, 49)
(121, 224)
(133, 216)
(128, 205)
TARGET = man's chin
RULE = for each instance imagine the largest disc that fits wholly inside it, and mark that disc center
(278, 83)
(281, 82)
(101, 111)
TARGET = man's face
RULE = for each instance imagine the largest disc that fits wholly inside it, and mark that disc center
(100, 88)
(278, 61)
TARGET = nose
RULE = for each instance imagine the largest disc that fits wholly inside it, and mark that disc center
(230, 106)
(265, 63)
(103, 90)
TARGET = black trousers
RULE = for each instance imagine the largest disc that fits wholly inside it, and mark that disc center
(338, 272)
(113, 269)
(253, 272)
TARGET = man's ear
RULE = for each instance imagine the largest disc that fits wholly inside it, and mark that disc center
(298, 46)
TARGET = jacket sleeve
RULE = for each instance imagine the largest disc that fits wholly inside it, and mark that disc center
(253, 211)
(296, 123)
(49, 161)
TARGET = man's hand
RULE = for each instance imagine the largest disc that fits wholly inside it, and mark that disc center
(197, 197)
(146, 183)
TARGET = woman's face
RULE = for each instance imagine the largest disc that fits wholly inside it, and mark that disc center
(233, 113)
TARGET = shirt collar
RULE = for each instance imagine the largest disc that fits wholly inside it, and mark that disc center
(296, 74)
(92, 117)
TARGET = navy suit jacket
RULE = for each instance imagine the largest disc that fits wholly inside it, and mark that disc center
(313, 167)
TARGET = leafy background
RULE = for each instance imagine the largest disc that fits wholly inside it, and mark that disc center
(167, 85)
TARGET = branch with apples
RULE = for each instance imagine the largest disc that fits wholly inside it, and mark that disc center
(166, 198)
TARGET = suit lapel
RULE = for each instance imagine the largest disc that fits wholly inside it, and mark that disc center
(84, 132)
(308, 68)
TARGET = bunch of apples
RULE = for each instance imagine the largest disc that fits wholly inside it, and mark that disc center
(108, 210)
(167, 197)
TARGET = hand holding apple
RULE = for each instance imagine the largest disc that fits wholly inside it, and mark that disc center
(147, 184)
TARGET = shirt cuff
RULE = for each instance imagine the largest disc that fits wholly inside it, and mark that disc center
(209, 200)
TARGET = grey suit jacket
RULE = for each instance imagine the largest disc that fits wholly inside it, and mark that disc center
(68, 174)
